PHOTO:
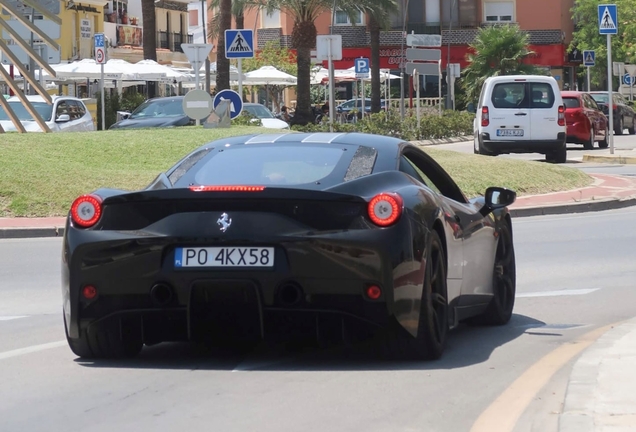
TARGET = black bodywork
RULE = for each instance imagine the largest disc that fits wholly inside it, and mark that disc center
(327, 250)
(175, 116)
(624, 116)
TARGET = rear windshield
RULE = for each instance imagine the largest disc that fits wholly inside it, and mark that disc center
(269, 165)
(600, 97)
(571, 102)
(522, 95)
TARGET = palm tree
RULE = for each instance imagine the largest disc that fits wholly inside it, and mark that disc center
(222, 63)
(379, 13)
(304, 13)
(498, 50)
(238, 12)
(149, 36)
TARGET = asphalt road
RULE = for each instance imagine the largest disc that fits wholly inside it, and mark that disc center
(574, 157)
(575, 274)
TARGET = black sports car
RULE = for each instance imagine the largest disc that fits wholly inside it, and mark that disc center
(250, 237)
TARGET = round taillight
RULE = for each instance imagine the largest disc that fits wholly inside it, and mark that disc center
(373, 292)
(385, 209)
(89, 292)
(86, 210)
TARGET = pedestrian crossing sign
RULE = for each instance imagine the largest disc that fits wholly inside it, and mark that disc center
(607, 19)
(589, 58)
(239, 44)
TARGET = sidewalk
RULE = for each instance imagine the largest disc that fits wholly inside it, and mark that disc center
(620, 156)
(600, 394)
(607, 192)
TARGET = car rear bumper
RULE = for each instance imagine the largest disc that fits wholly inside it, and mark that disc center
(521, 146)
(325, 275)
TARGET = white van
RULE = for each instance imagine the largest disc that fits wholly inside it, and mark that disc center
(521, 114)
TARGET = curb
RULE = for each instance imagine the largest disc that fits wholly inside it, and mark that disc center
(439, 141)
(622, 160)
(579, 407)
(590, 206)
(16, 233)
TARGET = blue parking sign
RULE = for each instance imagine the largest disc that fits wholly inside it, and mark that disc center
(99, 40)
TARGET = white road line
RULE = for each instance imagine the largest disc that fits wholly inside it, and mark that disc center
(31, 349)
(573, 292)
(8, 318)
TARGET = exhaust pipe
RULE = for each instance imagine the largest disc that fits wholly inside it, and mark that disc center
(161, 294)
(290, 294)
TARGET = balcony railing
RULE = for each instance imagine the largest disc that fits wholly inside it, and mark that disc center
(436, 28)
(172, 41)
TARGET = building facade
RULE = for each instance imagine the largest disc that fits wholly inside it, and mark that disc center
(548, 23)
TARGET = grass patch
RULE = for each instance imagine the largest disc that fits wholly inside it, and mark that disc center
(475, 173)
(41, 174)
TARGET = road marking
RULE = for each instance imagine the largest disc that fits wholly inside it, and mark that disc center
(31, 349)
(8, 318)
(503, 414)
(557, 293)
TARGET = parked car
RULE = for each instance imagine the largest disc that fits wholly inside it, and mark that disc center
(356, 104)
(267, 118)
(156, 112)
(65, 114)
(623, 113)
(585, 121)
(262, 236)
(521, 114)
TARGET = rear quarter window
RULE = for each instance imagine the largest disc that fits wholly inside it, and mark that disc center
(571, 102)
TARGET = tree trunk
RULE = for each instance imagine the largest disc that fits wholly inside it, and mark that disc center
(304, 40)
(374, 32)
(222, 63)
(149, 37)
(240, 20)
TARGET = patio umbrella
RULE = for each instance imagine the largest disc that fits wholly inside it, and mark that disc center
(139, 71)
(89, 69)
(184, 67)
(171, 74)
(269, 75)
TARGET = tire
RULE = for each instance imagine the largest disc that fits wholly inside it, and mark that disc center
(621, 127)
(499, 310)
(604, 143)
(632, 130)
(120, 339)
(589, 145)
(433, 322)
(558, 156)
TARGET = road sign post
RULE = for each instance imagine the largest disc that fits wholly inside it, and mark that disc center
(329, 47)
(362, 71)
(608, 25)
(239, 44)
(196, 53)
(100, 58)
(589, 60)
(425, 61)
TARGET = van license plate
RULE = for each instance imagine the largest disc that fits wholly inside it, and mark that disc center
(509, 132)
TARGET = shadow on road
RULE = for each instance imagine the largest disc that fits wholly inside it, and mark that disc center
(467, 345)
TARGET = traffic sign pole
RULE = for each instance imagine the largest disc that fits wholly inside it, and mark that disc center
(610, 105)
(240, 80)
(608, 25)
(588, 79)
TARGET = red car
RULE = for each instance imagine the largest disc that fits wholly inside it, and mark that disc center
(585, 121)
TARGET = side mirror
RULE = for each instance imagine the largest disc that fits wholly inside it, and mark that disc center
(471, 108)
(496, 198)
(126, 115)
(63, 118)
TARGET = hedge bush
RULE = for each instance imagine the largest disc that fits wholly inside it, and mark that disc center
(432, 125)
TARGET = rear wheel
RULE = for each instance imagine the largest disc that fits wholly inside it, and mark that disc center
(558, 156)
(499, 310)
(604, 143)
(621, 127)
(632, 130)
(589, 144)
(117, 339)
(433, 322)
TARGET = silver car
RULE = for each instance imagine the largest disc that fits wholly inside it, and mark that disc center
(65, 114)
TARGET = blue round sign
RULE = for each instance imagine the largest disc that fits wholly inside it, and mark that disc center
(629, 80)
(236, 103)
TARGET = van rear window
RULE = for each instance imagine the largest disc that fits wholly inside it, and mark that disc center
(516, 95)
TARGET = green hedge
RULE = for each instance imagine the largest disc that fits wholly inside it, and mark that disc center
(432, 125)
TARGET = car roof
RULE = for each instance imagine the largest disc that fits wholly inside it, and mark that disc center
(38, 98)
(506, 78)
(571, 93)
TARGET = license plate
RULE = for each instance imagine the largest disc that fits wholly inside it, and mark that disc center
(224, 257)
(509, 132)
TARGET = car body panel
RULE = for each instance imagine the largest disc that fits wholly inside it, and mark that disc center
(322, 236)
(583, 114)
(266, 117)
(621, 108)
(156, 112)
